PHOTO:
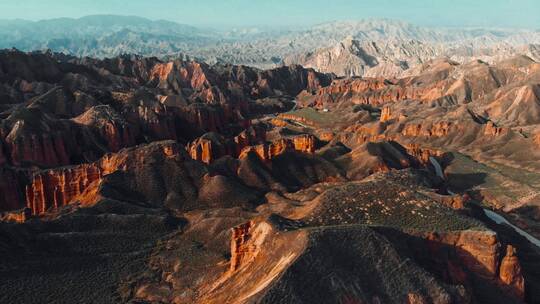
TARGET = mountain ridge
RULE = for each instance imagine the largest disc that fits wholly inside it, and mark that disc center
(92, 36)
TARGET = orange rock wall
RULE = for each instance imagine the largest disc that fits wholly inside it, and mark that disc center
(58, 187)
(302, 143)
(510, 273)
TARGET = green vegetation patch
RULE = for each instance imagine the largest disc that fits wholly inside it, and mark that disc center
(385, 203)
(315, 117)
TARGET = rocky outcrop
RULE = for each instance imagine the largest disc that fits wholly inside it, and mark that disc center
(374, 91)
(456, 201)
(297, 118)
(478, 251)
(243, 245)
(536, 139)
(492, 130)
(115, 131)
(250, 136)
(422, 154)
(48, 150)
(16, 216)
(510, 273)
(290, 79)
(325, 135)
(159, 125)
(439, 129)
(204, 118)
(386, 114)
(211, 86)
(34, 136)
(172, 76)
(302, 144)
(58, 187)
(212, 146)
(208, 148)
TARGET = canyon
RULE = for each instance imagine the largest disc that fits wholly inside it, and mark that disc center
(136, 179)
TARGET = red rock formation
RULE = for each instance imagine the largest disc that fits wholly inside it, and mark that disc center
(246, 241)
(204, 118)
(113, 129)
(239, 241)
(296, 118)
(386, 114)
(251, 136)
(161, 126)
(478, 251)
(492, 130)
(16, 216)
(413, 130)
(453, 201)
(162, 72)
(360, 134)
(325, 135)
(206, 150)
(118, 136)
(413, 298)
(278, 122)
(314, 81)
(212, 146)
(302, 143)
(47, 150)
(216, 110)
(176, 74)
(438, 129)
(58, 187)
(423, 154)
(375, 91)
(290, 79)
(510, 273)
(537, 139)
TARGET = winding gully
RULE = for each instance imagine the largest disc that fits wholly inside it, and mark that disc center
(497, 218)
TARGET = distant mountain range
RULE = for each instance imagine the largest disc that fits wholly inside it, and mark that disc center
(110, 35)
(396, 58)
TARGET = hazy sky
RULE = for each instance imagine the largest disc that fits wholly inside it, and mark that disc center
(486, 13)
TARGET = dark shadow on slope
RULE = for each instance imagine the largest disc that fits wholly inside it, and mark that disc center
(465, 181)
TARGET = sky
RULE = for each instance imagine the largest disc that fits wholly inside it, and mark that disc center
(441, 13)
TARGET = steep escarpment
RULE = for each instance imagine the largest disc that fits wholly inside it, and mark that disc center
(58, 187)
(212, 146)
(302, 143)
